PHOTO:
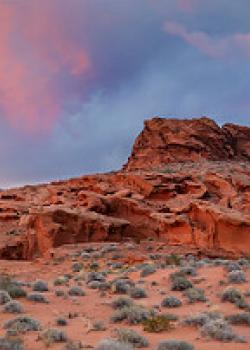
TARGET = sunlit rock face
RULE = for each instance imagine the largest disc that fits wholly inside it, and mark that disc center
(171, 140)
(187, 184)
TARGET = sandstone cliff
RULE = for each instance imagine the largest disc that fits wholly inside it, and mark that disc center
(173, 140)
(187, 183)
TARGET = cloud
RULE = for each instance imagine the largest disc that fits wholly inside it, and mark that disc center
(37, 57)
(236, 45)
(188, 6)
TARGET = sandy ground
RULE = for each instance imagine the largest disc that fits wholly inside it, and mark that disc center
(96, 305)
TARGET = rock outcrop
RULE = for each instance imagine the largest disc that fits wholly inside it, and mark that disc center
(173, 140)
(187, 183)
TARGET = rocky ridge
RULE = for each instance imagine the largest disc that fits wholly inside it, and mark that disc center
(186, 184)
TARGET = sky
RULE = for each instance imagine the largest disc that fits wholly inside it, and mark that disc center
(79, 77)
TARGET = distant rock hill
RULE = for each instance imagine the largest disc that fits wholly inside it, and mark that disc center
(186, 184)
(173, 140)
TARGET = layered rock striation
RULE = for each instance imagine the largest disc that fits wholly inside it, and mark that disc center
(187, 184)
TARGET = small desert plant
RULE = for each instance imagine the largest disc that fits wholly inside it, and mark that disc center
(137, 293)
(122, 302)
(11, 343)
(179, 282)
(195, 294)
(174, 345)
(133, 314)
(148, 270)
(170, 302)
(95, 276)
(23, 324)
(110, 344)
(121, 286)
(188, 271)
(4, 297)
(59, 293)
(37, 297)
(76, 291)
(99, 326)
(61, 280)
(77, 267)
(126, 335)
(40, 286)
(219, 330)
(158, 323)
(234, 296)
(237, 277)
(61, 321)
(9, 285)
(200, 319)
(13, 307)
(242, 318)
(52, 335)
(233, 266)
(173, 259)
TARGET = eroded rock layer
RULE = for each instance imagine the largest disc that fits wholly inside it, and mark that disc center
(196, 202)
(174, 140)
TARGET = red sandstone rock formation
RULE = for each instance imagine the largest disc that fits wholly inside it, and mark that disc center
(200, 199)
(172, 140)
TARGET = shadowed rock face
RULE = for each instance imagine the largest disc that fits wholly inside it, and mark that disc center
(171, 140)
(187, 183)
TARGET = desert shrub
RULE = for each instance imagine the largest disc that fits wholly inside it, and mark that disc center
(158, 323)
(99, 326)
(94, 284)
(137, 293)
(200, 319)
(76, 291)
(188, 271)
(237, 277)
(242, 318)
(23, 324)
(61, 321)
(59, 293)
(195, 294)
(122, 302)
(40, 286)
(11, 343)
(121, 286)
(95, 276)
(52, 335)
(234, 296)
(126, 335)
(38, 298)
(85, 256)
(110, 344)
(4, 297)
(233, 266)
(61, 280)
(5, 281)
(173, 259)
(219, 330)
(13, 307)
(170, 302)
(179, 282)
(11, 286)
(147, 270)
(174, 345)
(133, 314)
(17, 292)
(77, 267)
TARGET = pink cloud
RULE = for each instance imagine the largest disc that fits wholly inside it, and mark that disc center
(35, 50)
(231, 46)
(188, 6)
